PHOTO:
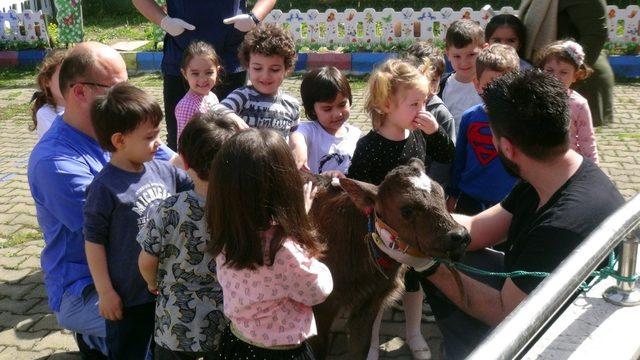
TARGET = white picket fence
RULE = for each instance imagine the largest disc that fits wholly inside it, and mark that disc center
(23, 5)
(25, 26)
(349, 26)
(388, 25)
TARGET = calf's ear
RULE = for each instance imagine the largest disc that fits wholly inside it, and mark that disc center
(363, 194)
(417, 164)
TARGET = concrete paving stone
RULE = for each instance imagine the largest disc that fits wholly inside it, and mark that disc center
(31, 250)
(16, 291)
(20, 339)
(22, 197)
(12, 353)
(37, 291)
(8, 251)
(9, 275)
(13, 261)
(32, 262)
(9, 229)
(42, 307)
(19, 182)
(64, 355)
(7, 218)
(18, 322)
(17, 306)
(33, 278)
(57, 340)
(26, 220)
(46, 322)
(27, 208)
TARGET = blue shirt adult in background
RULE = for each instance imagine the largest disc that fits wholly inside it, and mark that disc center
(189, 20)
(61, 166)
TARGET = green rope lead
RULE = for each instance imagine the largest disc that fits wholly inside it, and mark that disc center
(599, 275)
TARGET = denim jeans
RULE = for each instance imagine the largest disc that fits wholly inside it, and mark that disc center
(80, 314)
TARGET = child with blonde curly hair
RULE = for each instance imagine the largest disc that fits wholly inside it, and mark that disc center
(402, 129)
(565, 60)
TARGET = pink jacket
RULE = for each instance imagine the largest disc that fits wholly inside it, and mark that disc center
(581, 132)
(271, 305)
(192, 104)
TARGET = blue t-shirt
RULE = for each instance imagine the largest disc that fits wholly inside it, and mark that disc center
(477, 171)
(206, 16)
(61, 166)
(118, 205)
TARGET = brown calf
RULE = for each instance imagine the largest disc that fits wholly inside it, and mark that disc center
(409, 202)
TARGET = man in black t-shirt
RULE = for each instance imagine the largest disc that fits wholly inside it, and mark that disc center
(561, 199)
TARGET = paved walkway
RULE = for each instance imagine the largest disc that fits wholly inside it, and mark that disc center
(29, 331)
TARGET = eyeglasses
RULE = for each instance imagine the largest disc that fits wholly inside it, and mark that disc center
(92, 84)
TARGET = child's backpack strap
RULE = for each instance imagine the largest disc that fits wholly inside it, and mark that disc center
(443, 82)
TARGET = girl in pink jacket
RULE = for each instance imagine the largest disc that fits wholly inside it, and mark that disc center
(565, 60)
(265, 249)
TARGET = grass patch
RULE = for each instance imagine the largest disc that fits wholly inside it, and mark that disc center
(629, 136)
(153, 79)
(20, 238)
(9, 112)
(10, 95)
(110, 29)
(18, 77)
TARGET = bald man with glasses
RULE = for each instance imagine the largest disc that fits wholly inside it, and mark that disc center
(61, 166)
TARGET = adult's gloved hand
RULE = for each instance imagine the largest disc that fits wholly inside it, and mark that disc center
(175, 26)
(242, 22)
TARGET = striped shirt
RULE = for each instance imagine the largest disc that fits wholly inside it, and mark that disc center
(280, 112)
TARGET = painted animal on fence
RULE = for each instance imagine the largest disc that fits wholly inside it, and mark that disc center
(365, 279)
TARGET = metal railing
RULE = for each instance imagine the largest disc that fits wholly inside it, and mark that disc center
(508, 340)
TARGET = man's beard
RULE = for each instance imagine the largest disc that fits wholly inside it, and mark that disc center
(512, 168)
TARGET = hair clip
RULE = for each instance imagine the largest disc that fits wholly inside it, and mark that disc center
(575, 51)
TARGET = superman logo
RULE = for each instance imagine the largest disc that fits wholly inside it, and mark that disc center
(480, 139)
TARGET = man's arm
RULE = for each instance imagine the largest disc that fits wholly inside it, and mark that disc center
(483, 302)
(262, 8)
(150, 9)
(488, 228)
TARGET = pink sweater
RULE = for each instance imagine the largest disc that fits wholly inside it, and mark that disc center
(581, 132)
(271, 305)
(192, 104)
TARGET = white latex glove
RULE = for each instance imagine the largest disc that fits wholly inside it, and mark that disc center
(419, 264)
(243, 22)
(175, 26)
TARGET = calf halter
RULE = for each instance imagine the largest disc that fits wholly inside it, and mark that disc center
(384, 236)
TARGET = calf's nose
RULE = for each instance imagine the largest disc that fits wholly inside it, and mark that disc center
(458, 240)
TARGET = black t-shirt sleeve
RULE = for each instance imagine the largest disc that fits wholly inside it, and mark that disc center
(515, 197)
(546, 247)
(358, 170)
(440, 147)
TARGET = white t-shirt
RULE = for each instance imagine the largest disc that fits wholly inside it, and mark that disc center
(458, 97)
(328, 152)
(45, 116)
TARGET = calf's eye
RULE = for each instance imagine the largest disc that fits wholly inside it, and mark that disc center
(406, 212)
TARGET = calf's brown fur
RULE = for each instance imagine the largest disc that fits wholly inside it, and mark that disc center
(360, 286)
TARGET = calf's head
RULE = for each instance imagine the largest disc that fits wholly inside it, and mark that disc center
(413, 205)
